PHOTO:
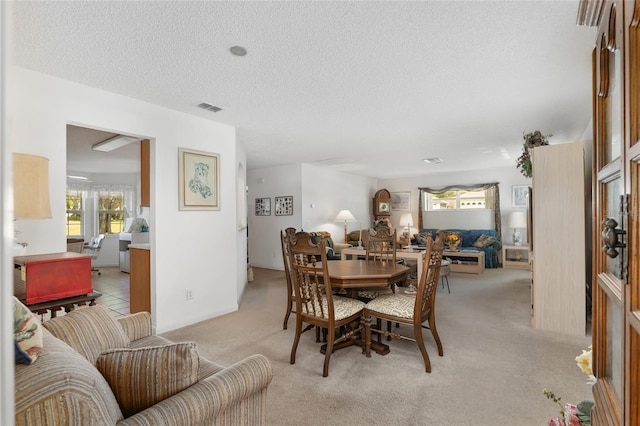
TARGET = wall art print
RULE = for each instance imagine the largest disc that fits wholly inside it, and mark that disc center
(284, 205)
(263, 206)
(199, 180)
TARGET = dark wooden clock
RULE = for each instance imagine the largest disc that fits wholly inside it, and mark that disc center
(382, 203)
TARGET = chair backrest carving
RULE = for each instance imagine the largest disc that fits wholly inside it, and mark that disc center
(310, 276)
(381, 245)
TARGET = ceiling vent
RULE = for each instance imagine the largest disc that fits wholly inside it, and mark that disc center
(433, 160)
(209, 107)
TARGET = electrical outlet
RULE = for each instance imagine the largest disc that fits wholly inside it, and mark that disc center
(189, 294)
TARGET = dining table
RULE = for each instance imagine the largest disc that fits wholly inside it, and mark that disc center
(354, 275)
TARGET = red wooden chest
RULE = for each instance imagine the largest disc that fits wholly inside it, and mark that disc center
(44, 277)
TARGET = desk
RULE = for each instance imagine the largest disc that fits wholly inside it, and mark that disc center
(417, 255)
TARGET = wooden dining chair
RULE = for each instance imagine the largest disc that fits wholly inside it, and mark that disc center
(315, 303)
(410, 309)
(380, 247)
(285, 236)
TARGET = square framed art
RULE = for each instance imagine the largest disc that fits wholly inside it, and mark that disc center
(284, 205)
(263, 206)
(199, 180)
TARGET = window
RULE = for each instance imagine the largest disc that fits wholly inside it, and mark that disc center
(74, 213)
(459, 200)
(111, 212)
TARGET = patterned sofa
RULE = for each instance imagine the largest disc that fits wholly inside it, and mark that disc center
(470, 236)
(69, 384)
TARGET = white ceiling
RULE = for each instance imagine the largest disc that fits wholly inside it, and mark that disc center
(369, 88)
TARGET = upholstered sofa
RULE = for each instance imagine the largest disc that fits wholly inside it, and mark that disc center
(68, 382)
(333, 249)
(469, 237)
(354, 236)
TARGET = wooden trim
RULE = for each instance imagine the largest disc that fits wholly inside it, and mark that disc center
(603, 89)
(589, 12)
(607, 407)
(145, 177)
(612, 287)
(611, 31)
(633, 60)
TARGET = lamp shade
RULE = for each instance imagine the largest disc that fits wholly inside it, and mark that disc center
(31, 187)
(344, 216)
(406, 220)
(517, 220)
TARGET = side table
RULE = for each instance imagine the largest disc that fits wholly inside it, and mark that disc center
(515, 257)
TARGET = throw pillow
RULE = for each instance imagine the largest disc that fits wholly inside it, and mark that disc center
(140, 378)
(27, 334)
(421, 239)
(484, 241)
(90, 331)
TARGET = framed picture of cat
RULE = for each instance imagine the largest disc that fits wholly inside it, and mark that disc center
(199, 180)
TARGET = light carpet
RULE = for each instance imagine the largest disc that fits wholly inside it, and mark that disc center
(492, 373)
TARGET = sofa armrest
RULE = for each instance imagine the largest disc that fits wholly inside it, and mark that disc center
(136, 325)
(243, 384)
(339, 246)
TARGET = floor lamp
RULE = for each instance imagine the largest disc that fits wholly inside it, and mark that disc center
(345, 216)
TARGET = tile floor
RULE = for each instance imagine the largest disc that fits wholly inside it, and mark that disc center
(114, 286)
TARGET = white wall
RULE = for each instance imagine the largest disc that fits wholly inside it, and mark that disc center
(241, 221)
(329, 192)
(506, 178)
(196, 250)
(318, 195)
(264, 231)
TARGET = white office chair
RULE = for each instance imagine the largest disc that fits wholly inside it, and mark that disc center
(92, 248)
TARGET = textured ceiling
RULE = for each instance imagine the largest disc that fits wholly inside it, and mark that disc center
(369, 88)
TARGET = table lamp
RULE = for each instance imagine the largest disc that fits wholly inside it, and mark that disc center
(517, 221)
(30, 188)
(345, 216)
(406, 220)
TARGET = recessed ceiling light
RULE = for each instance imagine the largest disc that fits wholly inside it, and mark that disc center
(238, 50)
(433, 160)
(77, 177)
(114, 143)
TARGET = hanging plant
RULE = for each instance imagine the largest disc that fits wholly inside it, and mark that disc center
(531, 140)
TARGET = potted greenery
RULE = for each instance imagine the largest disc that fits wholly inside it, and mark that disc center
(531, 140)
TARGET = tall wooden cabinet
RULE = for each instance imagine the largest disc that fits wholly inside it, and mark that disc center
(558, 249)
(140, 279)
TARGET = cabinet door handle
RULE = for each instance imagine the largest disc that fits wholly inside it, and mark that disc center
(611, 238)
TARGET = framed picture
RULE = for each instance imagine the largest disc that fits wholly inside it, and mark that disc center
(199, 180)
(519, 196)
(401, 201)
(284, 205)
(263, 206)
